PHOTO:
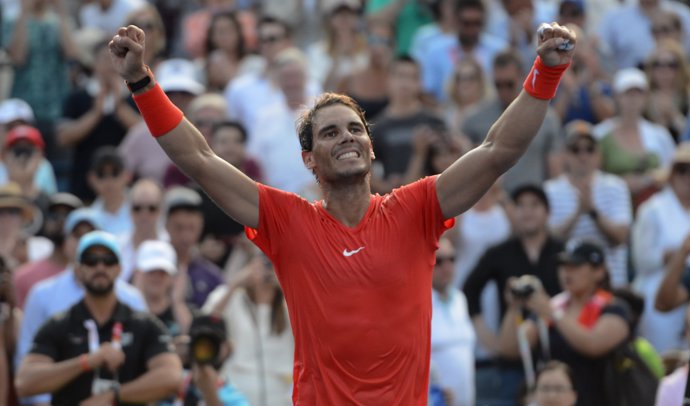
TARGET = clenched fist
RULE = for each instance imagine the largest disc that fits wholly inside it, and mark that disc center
(127, 53)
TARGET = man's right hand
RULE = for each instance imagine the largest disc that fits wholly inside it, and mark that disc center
(127, 53)
(108, 356)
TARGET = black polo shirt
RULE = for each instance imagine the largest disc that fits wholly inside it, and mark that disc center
(64, 336)
(508, 259)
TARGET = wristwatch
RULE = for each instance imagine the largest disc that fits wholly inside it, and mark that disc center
(140, 84)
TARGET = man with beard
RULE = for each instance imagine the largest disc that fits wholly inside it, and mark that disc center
(471, 42)
(531, 251)
(100, 352)
(356, 268)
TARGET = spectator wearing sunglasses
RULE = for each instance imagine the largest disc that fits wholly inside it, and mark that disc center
(452, 334)
(109, 179)
(146, 199)
(100, 350)
(249, 94)
(588, 203)
(57, 294)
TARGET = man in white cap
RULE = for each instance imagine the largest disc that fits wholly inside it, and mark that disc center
(156, 269)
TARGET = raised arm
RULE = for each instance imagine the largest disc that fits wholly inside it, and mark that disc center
(232, 190)
(464, 182)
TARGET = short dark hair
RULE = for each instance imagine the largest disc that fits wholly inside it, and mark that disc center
(305, 124)
(532, 189)
(231, 124)
(107, 155)
(461, 5)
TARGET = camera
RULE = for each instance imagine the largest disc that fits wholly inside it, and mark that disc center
(524, 287)
(206, 334)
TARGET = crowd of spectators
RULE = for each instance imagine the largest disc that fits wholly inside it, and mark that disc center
(596, 212)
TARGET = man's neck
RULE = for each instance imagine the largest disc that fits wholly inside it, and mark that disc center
(101, 307)
(683, 198)
(348, 203)
(533, 244)
(113, 203)
(296, 103)
(158, 304)
(141, 235)
(442, 292)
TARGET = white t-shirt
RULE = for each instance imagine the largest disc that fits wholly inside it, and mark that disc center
(452, 346)
(611, 198)
(108, 21)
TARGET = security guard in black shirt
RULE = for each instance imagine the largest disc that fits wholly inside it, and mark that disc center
(100, 352)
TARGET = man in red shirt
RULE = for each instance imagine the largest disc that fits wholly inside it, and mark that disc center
(355, 267)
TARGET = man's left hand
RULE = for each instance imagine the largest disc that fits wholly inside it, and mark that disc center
(552, 38)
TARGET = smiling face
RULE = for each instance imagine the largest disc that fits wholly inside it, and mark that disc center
(341, 147)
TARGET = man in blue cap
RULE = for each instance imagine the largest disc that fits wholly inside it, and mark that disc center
(100, 351)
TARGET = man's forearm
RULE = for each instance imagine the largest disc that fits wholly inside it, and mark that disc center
(671, 293)
(514, 130)
(35, 378)
(153, 385)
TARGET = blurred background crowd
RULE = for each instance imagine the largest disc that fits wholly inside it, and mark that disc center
(597, 210)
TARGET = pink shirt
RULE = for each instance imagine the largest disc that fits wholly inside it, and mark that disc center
(27, 275)
(672, 388)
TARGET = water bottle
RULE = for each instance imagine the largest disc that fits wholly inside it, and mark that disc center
(436, 397)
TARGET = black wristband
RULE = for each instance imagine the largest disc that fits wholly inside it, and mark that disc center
(140, 84)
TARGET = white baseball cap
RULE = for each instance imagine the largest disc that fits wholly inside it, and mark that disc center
(179, 75)
(15, 109)
(153, 255)
(629, 78)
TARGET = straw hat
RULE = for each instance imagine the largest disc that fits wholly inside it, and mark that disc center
(11, 197)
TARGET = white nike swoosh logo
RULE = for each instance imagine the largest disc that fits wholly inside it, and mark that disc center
(353, 252)
(534, 77)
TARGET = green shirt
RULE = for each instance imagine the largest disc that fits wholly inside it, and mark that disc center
(618, 161)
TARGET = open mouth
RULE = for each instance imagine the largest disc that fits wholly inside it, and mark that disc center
(347, 155)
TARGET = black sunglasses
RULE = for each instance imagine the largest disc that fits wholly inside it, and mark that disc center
(577, 150)
(270, 39)
(441, 260)
(152, 208)
(507, 84)
(93, 260)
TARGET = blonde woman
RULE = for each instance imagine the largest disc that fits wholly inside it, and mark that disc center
(668, 73)
(466, 89)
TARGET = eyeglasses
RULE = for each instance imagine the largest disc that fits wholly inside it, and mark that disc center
(93, 260)
(665, 64)
(270, 39)
(10, 211)
(471, 23)
(151, 208)
(105, 175)
(442, 260)
(504, 84)
(466, 77)
(555, 389)
(579, 150)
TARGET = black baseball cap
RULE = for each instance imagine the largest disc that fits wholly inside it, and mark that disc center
(579, 252)
(533, 189)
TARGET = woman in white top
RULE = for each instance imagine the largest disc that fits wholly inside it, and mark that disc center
(253, 306)
(343, 49)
